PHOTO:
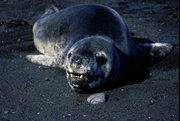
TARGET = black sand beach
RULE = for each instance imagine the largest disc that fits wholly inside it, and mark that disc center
(30, 92)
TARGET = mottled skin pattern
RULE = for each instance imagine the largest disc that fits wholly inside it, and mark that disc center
(92, 44)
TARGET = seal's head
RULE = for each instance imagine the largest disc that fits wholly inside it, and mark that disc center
(89, 63)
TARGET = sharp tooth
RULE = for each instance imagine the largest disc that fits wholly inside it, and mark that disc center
(72, 75)
(81, 76)
(75, 85)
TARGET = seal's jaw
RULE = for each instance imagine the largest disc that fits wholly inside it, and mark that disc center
(83, 82)
(86, 76)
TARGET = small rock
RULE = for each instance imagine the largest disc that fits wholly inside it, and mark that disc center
(3, 42)
(162, 23)
(159, 30)
(97, 98)
(151, 12)
(68, 115)
(6, 111)
(46, 79)
(18, 40)
(149, 117)
(122, 90)
(13, 112)
(84, 115)
(151, 102)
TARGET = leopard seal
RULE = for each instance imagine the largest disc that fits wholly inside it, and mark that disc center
(92, 44)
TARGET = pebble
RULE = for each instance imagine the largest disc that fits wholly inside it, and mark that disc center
(18, 40)
(122, 90)
(67, 115)
(97, 98)
(6, 111)
(46, 79)
(3, 42)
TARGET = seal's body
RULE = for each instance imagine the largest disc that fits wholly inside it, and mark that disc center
(92, 43)
(72, 24)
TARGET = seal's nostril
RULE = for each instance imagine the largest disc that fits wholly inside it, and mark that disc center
(69, 55)
(77, 60)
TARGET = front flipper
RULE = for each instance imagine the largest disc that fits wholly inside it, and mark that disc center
(44, 60)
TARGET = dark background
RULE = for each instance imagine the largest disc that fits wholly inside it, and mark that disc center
(30, 92)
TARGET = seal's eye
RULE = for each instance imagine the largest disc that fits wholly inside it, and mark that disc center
(101, 58)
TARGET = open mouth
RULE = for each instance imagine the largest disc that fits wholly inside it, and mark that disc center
(82, 77)
(84, 82)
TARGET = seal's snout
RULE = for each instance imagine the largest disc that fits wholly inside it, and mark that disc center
(82, 70)
(77, 60)
(79, 64)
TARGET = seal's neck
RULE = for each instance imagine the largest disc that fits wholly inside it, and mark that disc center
(116, 68)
